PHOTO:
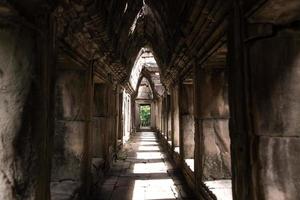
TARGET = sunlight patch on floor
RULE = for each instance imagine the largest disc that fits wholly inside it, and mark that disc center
(221, 188)
(148, 143)
(154, 189)
(177, 150)
(148, 136)
(149, 155)
(147, 168)
(149, 140)
(148, 148)
(190, 163)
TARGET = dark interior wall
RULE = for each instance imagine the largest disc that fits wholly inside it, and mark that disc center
(104, 131)
(71, 149)
(99, 120)
(187, 119)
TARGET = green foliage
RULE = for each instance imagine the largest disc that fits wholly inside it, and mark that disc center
(145, 114)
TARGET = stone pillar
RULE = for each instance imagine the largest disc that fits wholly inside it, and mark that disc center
(70, 161)
(238, 93)
(26, 93)
(117, 116)
(213, 118)
(187, 128)
(99, 126)
(169, 118)
(137, 118)
(111, 117)
(264, 104)
(175, 116)
(275, 106)
(121, 127)
(163, 116)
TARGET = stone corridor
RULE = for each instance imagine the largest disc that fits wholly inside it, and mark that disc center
(149, 99)
(143, 171)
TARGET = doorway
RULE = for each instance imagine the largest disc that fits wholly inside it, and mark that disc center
(145, 116)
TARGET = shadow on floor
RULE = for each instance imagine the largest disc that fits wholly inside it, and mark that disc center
(143, 172)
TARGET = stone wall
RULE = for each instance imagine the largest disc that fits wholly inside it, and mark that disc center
(275, 103)
(25, 109)
(214, 117)
(264, 102)
(175, 115)
(187, 120)
(19, 146)
(70, 130)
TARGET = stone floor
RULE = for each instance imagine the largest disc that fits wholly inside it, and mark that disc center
(143, 172)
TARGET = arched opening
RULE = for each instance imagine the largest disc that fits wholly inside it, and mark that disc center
(145, 79)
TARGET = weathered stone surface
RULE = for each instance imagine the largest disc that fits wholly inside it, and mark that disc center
(275, 78)
(176, 115)
(213, 94)
(277, 12)
(277, 171)
(186, 99)
(68, 151)
(99, 126)
(70, 130)
(64, 190)
(216, 155)
(188, 131)
(100, 103)
(18, 146)
(98, 168)
(70, 95)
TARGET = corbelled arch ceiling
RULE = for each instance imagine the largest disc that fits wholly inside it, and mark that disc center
(112, 32)
(181, 33)
(146, 66)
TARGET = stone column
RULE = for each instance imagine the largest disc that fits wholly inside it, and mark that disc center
(239, 110)
(274, 77)
(72, 126)
(175, 116)
(121, 119)
(153, 106)
(187, 127)
(26, 94)
(213, 118)
(264, 104)
(99, 125)
(169, 118)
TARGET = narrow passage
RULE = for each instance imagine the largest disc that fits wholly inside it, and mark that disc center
(143, 171)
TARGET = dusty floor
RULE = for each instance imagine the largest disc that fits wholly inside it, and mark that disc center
(143, 172)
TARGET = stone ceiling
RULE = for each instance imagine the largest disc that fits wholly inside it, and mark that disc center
(181, 33)
(112, 32)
